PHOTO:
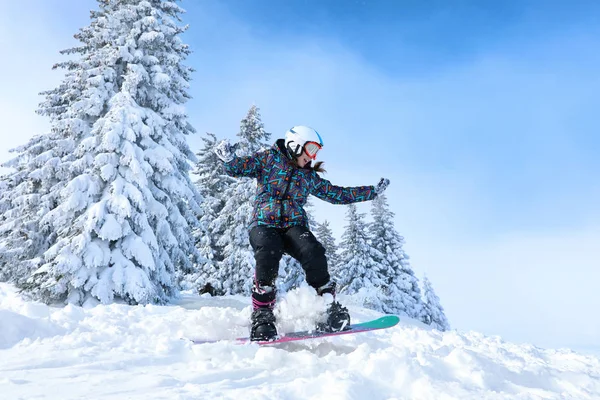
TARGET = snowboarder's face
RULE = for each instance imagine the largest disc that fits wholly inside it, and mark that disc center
(303, 159)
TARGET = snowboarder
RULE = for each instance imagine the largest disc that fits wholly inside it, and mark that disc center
(285, 178)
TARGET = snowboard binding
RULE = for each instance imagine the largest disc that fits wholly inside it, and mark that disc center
(337, 316)
(337, 319)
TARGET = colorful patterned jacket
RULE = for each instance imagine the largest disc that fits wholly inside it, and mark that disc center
(283, 187)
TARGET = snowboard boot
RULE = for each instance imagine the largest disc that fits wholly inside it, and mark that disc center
(263, 325)
(262, 319)
(337, 316)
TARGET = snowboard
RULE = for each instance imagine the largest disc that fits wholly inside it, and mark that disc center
(384, 322)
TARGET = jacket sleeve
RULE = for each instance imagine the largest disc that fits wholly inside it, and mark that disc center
(324, 190)
(246, 166)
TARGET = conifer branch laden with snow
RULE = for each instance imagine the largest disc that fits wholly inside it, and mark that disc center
(120, 202)
(291, 275)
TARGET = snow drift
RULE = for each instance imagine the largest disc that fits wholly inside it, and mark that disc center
(136, 352)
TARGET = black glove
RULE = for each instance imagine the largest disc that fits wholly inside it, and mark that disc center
(381, 186)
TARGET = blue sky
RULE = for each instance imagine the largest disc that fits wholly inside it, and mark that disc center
(483, 115)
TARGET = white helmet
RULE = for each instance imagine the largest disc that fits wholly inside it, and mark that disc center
(302, 138)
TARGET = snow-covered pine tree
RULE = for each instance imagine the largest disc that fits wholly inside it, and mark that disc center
(15, 231)
(359, 272)
(325, 235)
(127, 205)
(401, 294)
(433, 313)
(211, 184)
(22, 240)
(236, 269)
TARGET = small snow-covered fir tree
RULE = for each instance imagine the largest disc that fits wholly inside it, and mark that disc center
(121, 202)
(211, 184)
(359, 272)
(433, 313)
(325, 235)
(400, 290)
(236, 269)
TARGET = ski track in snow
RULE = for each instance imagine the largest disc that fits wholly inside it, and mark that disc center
(136, 352)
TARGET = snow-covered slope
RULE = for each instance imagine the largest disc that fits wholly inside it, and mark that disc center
(124, 352)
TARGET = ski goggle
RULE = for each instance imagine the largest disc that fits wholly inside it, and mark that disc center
(311, 149)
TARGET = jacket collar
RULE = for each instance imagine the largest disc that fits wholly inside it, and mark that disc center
(280, 146)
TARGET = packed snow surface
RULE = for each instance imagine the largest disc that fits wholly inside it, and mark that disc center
(137, 352)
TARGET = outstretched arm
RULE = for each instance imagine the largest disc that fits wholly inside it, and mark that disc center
(347, 195)
(342, 195)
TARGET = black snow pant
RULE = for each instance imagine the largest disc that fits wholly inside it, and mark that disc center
(270, 244)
